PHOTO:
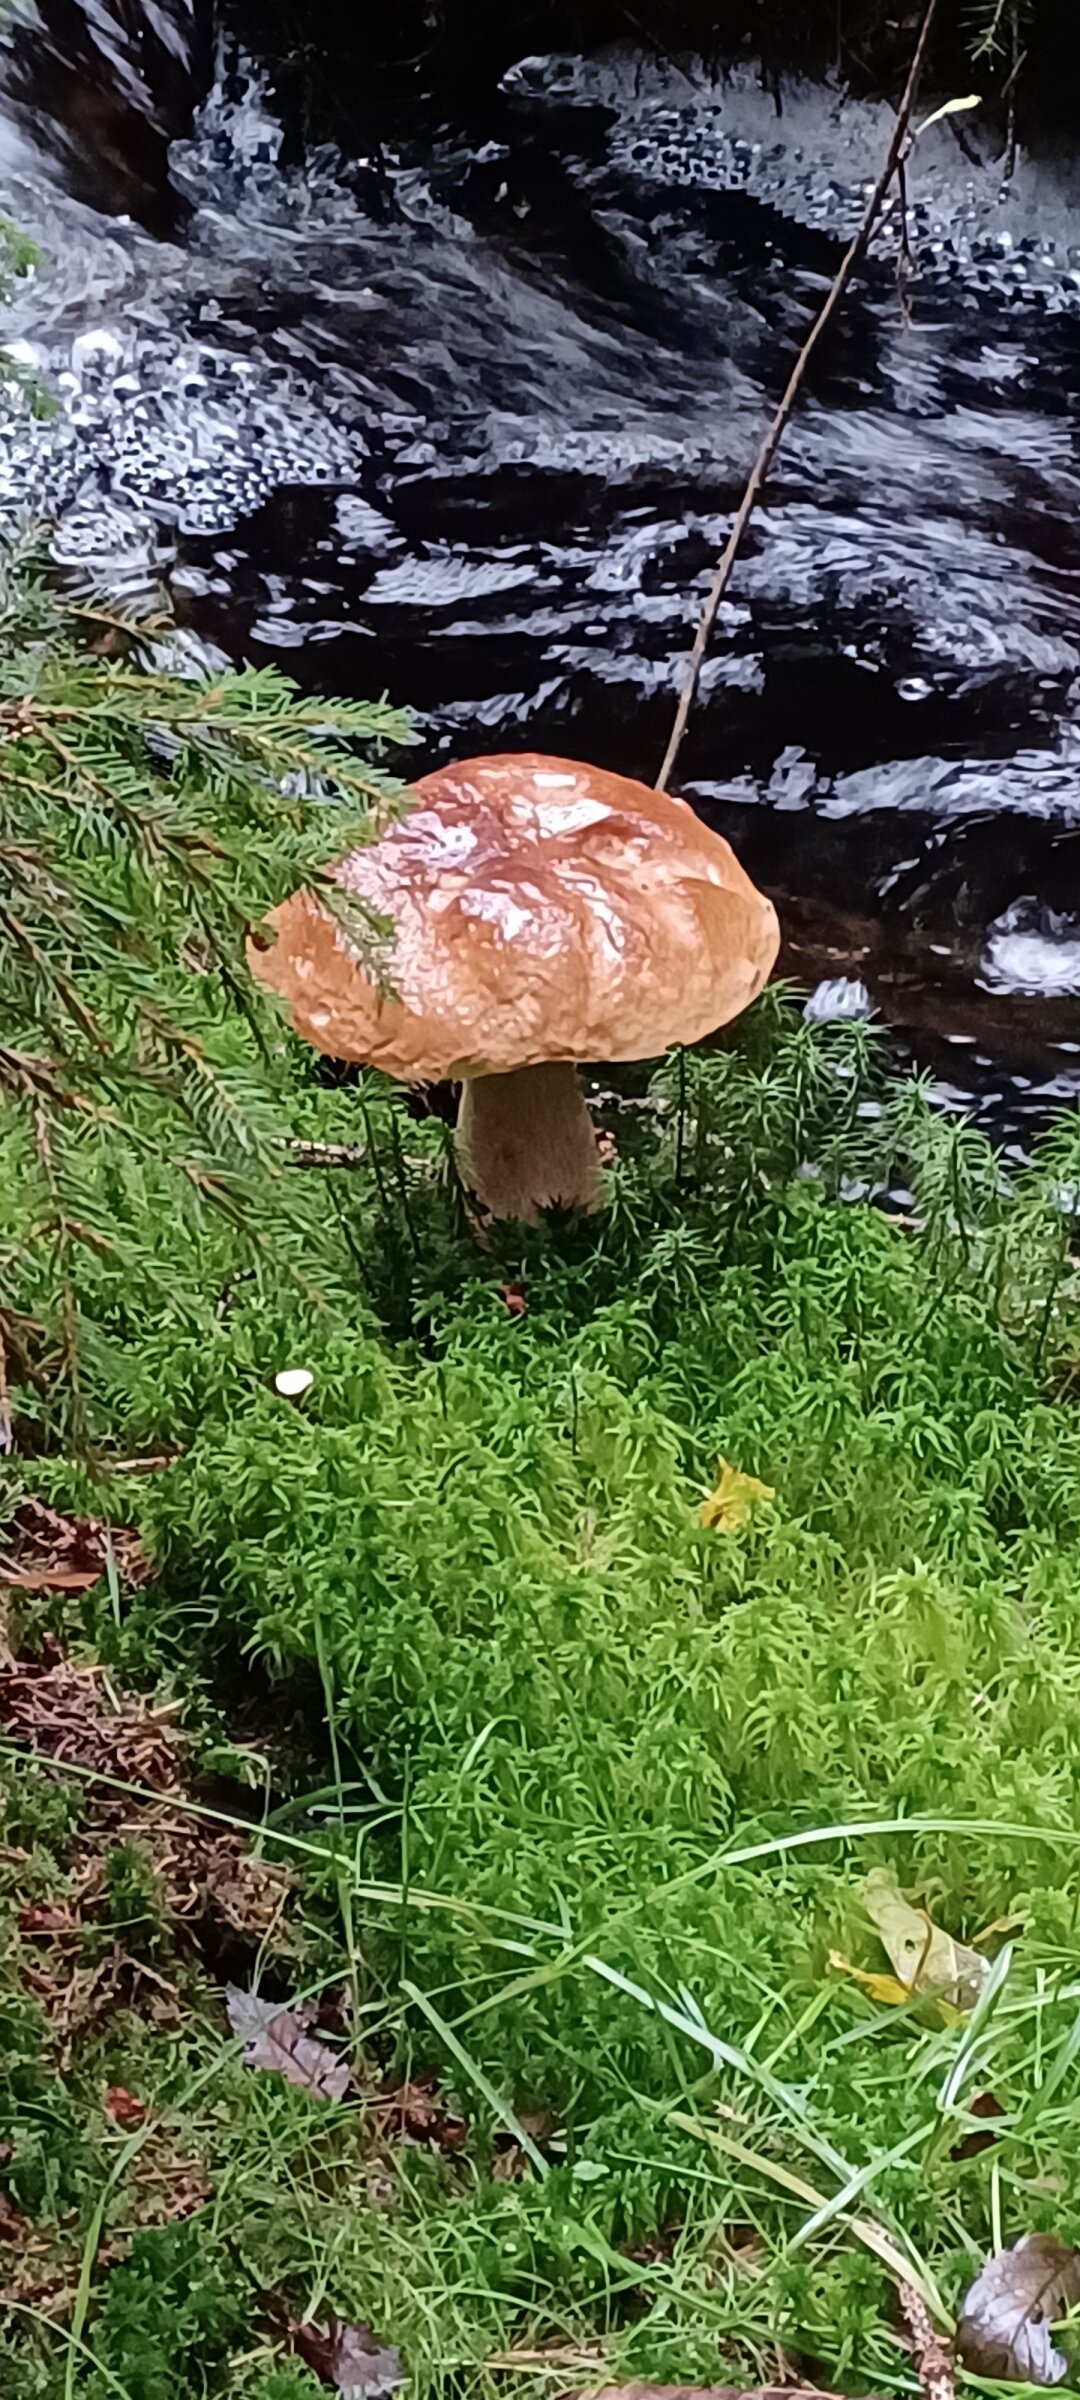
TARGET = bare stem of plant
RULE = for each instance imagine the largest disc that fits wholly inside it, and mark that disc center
(771, 443)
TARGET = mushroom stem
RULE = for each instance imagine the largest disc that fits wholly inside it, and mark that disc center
(525, 1141)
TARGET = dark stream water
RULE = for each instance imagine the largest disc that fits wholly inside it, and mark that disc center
(465, 419)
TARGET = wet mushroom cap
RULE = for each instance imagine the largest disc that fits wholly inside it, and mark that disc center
(540, 910)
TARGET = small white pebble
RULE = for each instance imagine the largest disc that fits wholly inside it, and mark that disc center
(291, 1382)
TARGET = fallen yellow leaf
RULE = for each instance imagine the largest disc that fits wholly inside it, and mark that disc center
(891, 1993)
(729, 1505)
(885, 1988)
(923, 1957)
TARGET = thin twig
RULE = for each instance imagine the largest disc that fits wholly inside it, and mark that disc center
(1010, 78)
(62, 1229)
(140, 1466)
(1010, 88)
(905, 263)
(933, 2356)
(769, 447)
(350, 1154)
(329, 1154)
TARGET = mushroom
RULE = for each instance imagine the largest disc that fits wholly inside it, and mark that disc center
(543, 913)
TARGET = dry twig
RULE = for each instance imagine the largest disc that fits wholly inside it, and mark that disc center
(769, 447)
(329, 1154)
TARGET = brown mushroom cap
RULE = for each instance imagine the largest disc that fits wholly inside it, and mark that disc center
(541, 910)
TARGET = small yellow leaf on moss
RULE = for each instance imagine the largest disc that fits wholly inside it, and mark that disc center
(880, 1987)
(729, 1505)
(890, 1993)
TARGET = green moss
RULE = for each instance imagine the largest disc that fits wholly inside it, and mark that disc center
(569, 1760)
(169, 2316)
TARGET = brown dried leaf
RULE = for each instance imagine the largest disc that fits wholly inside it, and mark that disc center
(981, 2104)
(124, 2108)
(413, 2112)
(348, 2358)
(41, 1919)
(538, 2123)
(43, 1551)
(1009, 2313)
(277, 2040)
(512, 2165)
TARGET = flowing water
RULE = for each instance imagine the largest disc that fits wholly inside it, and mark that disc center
(465, 420)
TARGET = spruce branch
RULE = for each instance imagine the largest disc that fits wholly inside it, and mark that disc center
(146, 825)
